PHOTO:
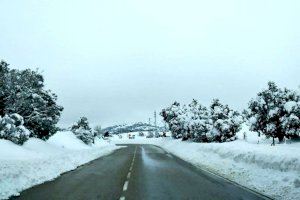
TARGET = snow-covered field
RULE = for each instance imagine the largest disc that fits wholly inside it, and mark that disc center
(37, 161)
(271, 170)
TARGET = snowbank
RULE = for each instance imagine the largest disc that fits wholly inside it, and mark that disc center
(37, 161)
(67, 140)
(271, 170)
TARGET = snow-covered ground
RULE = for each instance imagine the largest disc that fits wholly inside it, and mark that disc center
(37, 161)
(271, 170)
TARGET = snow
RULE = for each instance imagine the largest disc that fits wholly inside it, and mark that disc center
(67, 140)
(273, 112)
(37, 161)
(289, 106)
(252, 120)
(11, 151)
(254, 163)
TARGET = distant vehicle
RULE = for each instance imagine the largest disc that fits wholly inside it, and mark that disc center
(131, 136)
(141, 134)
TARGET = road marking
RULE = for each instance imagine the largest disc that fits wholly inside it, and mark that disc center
(134, 155)
(135, 150)
(128, 175)
(125, 187)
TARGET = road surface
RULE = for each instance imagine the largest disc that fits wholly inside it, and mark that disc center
(138, 172)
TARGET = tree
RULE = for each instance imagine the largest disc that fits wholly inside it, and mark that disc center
(98, 131)
(275, 113)
(200, 124)
(82, 131)
(196, 122)
(4, 73)
(225, 122)
(22, 92)
(173, 116)
(291, 114)
(11, 128)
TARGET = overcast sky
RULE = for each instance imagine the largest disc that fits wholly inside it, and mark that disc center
(117, 61)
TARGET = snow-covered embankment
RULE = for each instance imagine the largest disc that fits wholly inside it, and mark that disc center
(37, 161)
(271, 170)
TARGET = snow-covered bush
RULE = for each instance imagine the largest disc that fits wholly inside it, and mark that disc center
(196, 122)
(225, 122)
(11, 128)
(291, 119)
(22, 92)
(275, 113)
(199, 122)
(83, 131)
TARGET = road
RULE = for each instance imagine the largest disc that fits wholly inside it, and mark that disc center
(138, 172)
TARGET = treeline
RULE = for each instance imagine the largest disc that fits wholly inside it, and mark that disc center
(275, 112)
(202, 124)
(27, 109)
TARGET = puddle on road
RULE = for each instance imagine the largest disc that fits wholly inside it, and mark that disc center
(149, 161)
(152, 162)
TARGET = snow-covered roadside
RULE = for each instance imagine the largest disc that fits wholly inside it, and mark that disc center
(271, 170)
(37, 161)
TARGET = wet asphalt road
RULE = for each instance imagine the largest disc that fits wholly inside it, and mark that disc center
(138, 172)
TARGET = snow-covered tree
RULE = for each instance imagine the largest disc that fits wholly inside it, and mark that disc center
(11, 128)
(83, 131)
(196, 122)
(173, 116)
(225, 122)
(291, 118)
(98, 131)
(22, 92)
(199, 122)
(4, 73)
(275, 113)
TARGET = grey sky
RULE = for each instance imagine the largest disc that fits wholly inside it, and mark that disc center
(118, 60)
